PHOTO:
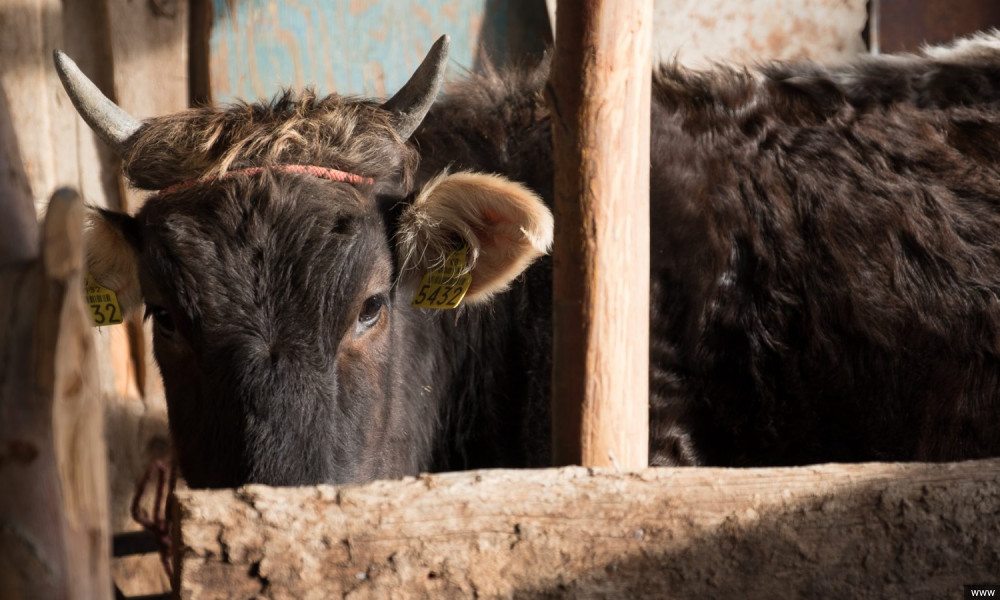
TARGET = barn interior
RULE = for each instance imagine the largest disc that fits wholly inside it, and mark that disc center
(98, 398)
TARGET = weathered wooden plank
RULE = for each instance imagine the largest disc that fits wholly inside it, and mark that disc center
(600, 101)
(25, 33)
(53, 460)
(149, 45)
(63, 336)
(59, 149)
(31, 544)
(831, 531)
(149, 48)
(18, 225)
(85, 38)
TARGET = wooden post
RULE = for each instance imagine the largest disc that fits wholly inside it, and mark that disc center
(54, 533)
(600, 102)
(116, 43)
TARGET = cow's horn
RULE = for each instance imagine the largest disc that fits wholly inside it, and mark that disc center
(107, 119)
(413, 100)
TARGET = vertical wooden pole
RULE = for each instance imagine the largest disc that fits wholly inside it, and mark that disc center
(599, 92)
(54, 531)
(66, 377)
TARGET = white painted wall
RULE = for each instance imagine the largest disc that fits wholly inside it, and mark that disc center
(700, 32)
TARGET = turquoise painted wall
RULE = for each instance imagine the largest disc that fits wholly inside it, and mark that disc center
(360, 47)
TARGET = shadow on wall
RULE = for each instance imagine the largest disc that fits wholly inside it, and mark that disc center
(513, 32)
(54, 152)
(30, 31)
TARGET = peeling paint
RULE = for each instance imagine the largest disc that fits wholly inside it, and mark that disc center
(702, 32)
(258, 47)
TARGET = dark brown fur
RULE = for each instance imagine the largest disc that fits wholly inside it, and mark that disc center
(826, 252)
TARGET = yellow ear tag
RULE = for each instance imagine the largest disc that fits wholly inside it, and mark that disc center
(103, 302)
(445, 286)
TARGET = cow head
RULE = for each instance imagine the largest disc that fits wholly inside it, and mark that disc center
(280, 295)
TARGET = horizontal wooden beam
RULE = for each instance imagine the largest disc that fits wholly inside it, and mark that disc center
(832, 531)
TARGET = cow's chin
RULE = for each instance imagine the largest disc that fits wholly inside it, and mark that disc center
(208, 475)
(215, 456)
(199, 475)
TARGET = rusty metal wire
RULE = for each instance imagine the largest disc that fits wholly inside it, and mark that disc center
(158, 523)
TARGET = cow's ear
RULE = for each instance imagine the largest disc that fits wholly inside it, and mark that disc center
(112, 243)
(505, 225)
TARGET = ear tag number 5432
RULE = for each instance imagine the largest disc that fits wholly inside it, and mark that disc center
(103, 304)
(444, 287)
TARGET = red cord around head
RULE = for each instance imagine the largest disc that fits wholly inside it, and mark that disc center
(321, 172)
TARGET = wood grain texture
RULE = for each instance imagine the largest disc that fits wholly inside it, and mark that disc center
(53, 460)
(26, 32)
(18, 225)
(830, 531)
(149, 48)
(57, 148)
(600, 99)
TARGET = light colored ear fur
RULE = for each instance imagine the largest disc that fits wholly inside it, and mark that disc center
(505, 225)
(112, 261)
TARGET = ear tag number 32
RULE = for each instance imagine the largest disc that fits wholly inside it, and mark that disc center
(445, 286)
(103, 303)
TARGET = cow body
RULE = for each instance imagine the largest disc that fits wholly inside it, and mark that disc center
(825, 255)
(825, 272)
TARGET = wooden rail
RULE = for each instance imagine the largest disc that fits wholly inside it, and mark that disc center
(832, 531)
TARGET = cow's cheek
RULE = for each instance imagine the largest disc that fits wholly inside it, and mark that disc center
(187, 413)
(364, 386)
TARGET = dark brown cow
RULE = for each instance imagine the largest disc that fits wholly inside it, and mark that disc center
(825, 269)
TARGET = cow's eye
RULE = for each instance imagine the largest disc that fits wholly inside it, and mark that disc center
(161, 318)
(370, 311)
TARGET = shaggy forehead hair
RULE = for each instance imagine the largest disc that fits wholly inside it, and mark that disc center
(255, 246)
(343, 133)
